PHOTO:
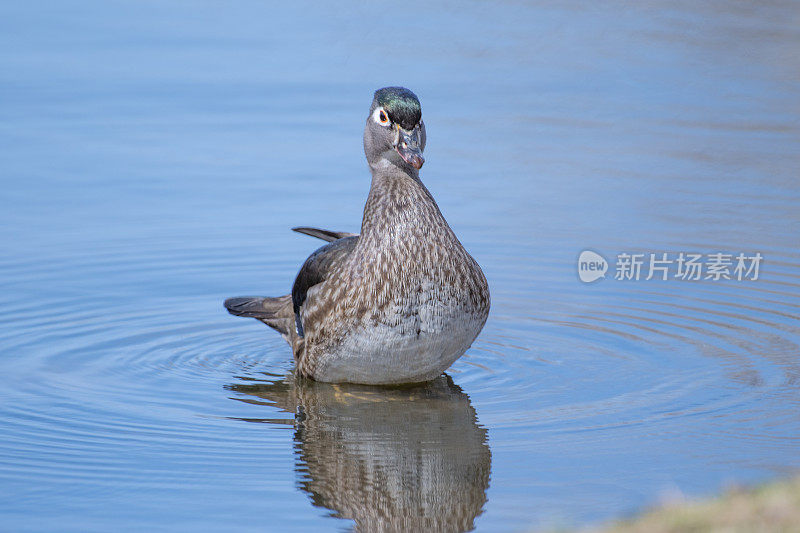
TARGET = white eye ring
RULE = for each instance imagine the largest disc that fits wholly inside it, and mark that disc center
(381, 116)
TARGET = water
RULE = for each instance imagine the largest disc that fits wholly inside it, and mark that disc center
(154, 155)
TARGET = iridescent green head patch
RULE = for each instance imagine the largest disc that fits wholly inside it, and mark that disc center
(401, 104)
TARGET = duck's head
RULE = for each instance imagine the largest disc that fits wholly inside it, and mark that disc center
(395, 132)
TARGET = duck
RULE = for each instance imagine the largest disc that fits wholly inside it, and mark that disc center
(397, 303)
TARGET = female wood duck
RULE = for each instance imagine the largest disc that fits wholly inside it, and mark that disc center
(398, 303)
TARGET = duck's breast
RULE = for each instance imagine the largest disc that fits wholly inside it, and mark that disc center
(412, 341)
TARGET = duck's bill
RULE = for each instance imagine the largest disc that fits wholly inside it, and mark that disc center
(408, 146)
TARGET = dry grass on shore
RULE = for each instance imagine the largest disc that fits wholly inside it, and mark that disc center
(771, 508)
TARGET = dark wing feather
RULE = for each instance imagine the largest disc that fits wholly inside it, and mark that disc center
(274, 312)
(256, 306)
(315, 270)
(324, 234)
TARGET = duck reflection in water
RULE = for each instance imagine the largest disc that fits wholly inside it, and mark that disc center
(390, 459)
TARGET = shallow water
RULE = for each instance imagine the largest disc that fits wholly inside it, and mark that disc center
(153, 157)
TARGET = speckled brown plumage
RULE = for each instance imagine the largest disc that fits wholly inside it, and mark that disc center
(397, 304)
(406, 257)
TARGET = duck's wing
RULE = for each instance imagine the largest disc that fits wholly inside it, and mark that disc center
(316, 270)
(324, 234)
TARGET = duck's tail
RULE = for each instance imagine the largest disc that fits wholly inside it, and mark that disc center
(324, 234)
(277, 313)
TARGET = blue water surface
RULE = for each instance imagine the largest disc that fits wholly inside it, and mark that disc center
(154, 154)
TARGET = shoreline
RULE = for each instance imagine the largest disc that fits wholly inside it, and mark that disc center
(772, 507)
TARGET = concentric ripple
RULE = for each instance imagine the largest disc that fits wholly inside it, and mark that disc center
(121, 396)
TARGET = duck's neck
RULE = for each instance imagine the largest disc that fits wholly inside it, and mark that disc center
(398, 201)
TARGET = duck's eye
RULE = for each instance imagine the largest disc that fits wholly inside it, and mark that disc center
(381, 117)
